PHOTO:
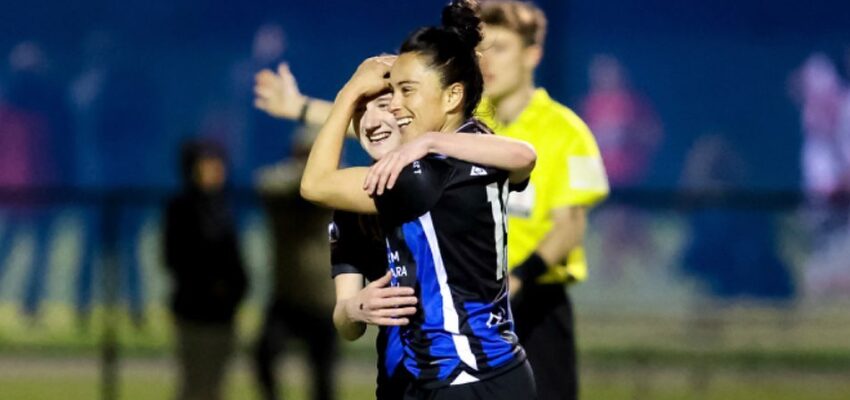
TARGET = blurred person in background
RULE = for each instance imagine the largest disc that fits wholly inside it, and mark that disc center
(824, 102)
(35, 132)
(624, 123)
(301, 305)
(547, 221)
(629, 133)
(748, 267)
(255, 139)
(114, 103)
(206, 270)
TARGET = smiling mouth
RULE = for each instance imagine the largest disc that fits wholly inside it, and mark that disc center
(405, 121)
(378, 137)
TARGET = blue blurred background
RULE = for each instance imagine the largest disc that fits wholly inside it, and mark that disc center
(727, 146)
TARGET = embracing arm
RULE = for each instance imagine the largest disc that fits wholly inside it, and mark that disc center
(515, 156)
(323, 182)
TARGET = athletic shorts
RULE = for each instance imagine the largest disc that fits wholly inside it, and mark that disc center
(515, 384)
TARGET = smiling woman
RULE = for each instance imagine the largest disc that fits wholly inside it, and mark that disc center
(443, 219)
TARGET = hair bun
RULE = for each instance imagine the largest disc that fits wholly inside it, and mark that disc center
(461, 16)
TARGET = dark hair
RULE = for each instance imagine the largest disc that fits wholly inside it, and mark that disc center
(525, 19)
(451, 49)
(193, 150)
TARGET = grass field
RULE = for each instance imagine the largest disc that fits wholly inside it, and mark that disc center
(149, 379)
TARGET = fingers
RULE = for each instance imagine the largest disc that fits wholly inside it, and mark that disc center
(391, 302)
(382, 281)
(394, 172)
(394, 312)
(391, 321)
(286, 77)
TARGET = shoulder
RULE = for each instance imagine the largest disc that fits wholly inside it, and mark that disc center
(561, 129)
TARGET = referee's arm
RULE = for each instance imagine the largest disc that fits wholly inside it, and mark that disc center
(568, 227)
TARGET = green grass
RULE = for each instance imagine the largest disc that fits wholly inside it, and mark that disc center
(148, 379)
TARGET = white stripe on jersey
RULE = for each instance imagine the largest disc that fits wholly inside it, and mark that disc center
(497, 204)
(450, 317)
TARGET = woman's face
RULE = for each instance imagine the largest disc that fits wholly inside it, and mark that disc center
(376, 127)
(418, 96)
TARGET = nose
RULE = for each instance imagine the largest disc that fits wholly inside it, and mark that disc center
(395, 105)
(370, 122)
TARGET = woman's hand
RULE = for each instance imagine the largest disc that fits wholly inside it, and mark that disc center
(370, 78)
(384, 173)
(381, 304)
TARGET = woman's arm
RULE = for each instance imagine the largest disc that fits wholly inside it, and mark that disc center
(378, 304)
(323, 182)
(347, 287)
(515, 156)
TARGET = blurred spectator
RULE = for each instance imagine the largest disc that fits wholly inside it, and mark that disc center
(209, 281)
(119, 145)
(302, 303)
(824, 102)
(34, 132)
(628, 132)
(748, 265)
(624, 123)
(260, 139)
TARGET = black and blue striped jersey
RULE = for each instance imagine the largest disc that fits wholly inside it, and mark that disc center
(358, 247)
(445, 223)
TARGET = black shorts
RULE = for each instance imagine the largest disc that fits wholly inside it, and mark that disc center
(394, 387)
(515, 384)
(543, 315)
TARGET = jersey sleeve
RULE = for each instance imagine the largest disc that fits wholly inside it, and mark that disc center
(352, 251)
(579, 176)
(418, 188)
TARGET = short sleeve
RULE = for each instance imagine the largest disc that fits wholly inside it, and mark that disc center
(578, 175)
(353, 250)
(418, 188)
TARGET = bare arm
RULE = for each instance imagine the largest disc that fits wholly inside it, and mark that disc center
(323, 182)
(567, 233)
(515, 156)
(347, 287)
(569, 225)
(376, 304)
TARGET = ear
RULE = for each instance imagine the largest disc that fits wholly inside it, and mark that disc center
(531, 56)
(453, 97)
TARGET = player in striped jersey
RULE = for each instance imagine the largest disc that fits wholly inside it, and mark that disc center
(444, 217)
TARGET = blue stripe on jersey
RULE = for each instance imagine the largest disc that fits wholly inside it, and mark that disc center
(393, 352)
(442, 347)
(488, 322)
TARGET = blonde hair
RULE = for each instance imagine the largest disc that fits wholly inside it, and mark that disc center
(523, 18)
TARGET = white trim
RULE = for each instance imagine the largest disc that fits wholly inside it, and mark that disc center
(496, 206)
(450, 317)
(464, 378)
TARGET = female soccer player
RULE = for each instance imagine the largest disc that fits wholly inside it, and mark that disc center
(444, 218)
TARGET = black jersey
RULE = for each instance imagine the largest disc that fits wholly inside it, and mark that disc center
(358, 247)
(445, 223)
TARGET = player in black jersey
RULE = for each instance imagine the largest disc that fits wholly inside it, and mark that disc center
(444, 218)
(358, 251)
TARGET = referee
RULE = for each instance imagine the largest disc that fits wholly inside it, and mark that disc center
(547, 221)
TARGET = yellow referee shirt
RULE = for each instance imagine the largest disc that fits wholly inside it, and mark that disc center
(569, 172)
